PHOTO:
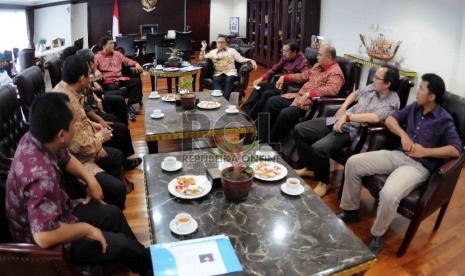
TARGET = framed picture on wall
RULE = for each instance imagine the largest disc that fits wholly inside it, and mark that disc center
(234, 25)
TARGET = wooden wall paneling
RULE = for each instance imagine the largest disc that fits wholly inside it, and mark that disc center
(198, 18)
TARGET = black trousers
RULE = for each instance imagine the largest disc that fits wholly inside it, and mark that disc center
(228, 82)
(133, 92)
(315, 143)
(257, 99)
(115, 104)
(113, 188)
(121, 139)
(278, 119)
(123, 247)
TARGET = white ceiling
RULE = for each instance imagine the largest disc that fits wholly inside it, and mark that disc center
(28, 2)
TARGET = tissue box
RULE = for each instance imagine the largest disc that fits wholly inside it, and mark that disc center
(214, 176)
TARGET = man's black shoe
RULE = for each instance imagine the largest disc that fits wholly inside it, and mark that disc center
(349, 216)
(133, 110)
(131, 117)
(131, 163)
(129, 186)
(376, 244)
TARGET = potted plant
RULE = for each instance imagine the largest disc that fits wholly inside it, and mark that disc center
(187, 98)
(174, 58)
(41, 44)
(237, 179)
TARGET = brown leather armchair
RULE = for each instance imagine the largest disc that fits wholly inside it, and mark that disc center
(437, 191)
(30, 84)
(240, 85)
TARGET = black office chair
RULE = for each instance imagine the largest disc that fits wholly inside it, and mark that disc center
(26, 58)
(79, 43)
(154, 40)
(54, 70)
(127, 43)
(30, 84)
(183, 42)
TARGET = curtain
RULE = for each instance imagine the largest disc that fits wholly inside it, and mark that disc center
(30, 27)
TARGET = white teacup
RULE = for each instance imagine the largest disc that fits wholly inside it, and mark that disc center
(183, 222)
(216, 92)
(266, 150)
(169, 162)
(154, 93)
(232, 108)
(292, 184)
(156, 112)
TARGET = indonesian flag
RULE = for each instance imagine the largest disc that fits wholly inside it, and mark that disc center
(115, 28)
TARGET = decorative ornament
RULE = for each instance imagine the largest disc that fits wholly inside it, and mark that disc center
(380, 47)
(148, 5)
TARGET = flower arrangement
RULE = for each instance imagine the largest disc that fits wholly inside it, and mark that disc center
(175, 52)
(380, 47)
(233, 152)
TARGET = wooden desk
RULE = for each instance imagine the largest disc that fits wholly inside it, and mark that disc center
(179, 124)
(272, 233)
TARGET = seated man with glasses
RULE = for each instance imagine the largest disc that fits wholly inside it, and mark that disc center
(224, 59)
(109, 65)
(292, 61)
(316, 139)
(282, 112)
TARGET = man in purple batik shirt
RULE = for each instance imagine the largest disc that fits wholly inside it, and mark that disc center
(429, 139)
(39, 210)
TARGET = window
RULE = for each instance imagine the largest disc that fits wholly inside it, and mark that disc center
(13, 27)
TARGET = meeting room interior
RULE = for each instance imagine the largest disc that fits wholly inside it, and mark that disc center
(188, 146)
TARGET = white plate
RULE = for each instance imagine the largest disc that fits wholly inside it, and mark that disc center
(201, 180)
(216, 94)
(178, 166)
(169, 98)
(295, 192)
(272, 164)
(171, 69)
(265, 155)
(208, 105)
(175, 229)
(157, 117)
(235, 111)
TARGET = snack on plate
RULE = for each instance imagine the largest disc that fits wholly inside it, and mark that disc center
(186, 185)
(169, 97)
(267, 170)
(209, 104)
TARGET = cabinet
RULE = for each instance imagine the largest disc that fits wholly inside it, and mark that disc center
(270, 22)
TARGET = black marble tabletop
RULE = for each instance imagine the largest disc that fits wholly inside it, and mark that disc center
(178, 123)
(272, 233)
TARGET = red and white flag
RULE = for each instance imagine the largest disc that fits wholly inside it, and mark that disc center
(115, 28)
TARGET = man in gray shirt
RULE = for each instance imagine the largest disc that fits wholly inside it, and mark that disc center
(317, 139)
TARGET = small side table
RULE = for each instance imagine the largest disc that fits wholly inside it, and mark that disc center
(169, 75)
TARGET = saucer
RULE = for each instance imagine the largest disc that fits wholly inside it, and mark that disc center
(297, 192)
(229, 111)
(216, 94)
(154, 96)
(175, 230)
(157, 117)
(178, 166)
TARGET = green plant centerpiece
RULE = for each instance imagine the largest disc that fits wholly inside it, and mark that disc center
(41, 43)
(187, 97)
(175, 57)
(237, 179)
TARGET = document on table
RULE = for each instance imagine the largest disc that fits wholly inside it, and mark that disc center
(206, 256)
(189, 68)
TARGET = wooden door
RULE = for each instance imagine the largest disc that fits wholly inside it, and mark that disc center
(198, 20)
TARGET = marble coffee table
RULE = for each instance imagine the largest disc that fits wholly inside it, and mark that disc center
(272, 233)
